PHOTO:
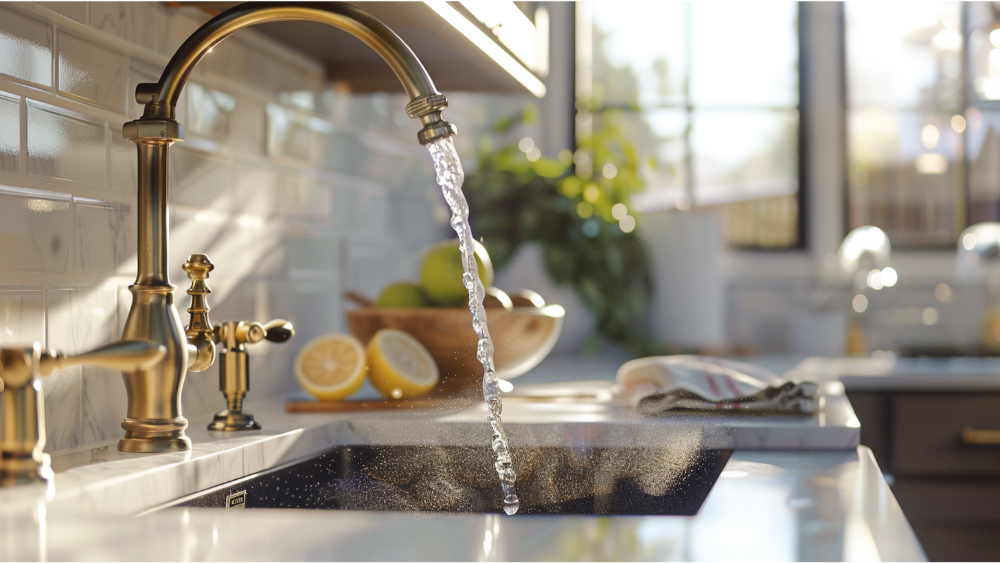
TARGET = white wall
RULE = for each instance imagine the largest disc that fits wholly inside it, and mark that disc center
(292, 204)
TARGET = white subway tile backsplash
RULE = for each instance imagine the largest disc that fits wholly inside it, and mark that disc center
(257, 190)
(122, 177)
(208, 110)
(81, 318)
(10, 133)
(65, 147)
(76, 11)
(92, 72)
(105, 237)
(22, 317)
(103, 402)
(202, 180)
(25, 47)
(146, 25)
(36, 231)
(110, 17)
(61, 394)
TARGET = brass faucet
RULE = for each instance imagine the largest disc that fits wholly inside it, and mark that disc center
(153, 420)
(23, 439)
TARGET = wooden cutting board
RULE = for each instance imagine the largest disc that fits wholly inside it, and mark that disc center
(374, 405)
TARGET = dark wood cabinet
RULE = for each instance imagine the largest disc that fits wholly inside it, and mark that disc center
(948, 489)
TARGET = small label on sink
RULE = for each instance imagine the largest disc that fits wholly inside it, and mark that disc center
(236, 500)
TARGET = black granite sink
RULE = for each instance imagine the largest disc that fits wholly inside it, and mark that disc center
(551, 480)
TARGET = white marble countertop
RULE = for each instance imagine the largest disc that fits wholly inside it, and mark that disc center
(813, 503)
(777, 506)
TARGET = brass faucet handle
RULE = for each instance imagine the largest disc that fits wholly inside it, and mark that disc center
(16, 364)
(243, 332)
(278, 331)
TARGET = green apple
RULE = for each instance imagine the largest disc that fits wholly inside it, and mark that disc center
(441, 273)
(402, 294)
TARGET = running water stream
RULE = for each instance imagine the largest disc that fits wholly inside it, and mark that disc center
(450, 177)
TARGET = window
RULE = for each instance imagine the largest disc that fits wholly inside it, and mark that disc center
(711, 92)
(906, 120)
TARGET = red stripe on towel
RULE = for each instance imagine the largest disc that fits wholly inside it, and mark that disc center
(711, 384)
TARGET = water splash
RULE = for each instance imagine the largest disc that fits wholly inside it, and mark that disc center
(450, 177)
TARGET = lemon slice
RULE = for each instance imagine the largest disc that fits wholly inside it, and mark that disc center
(331, 367)
(399, 365)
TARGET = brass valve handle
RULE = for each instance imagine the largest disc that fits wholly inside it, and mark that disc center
(277, 331)
(126, 355)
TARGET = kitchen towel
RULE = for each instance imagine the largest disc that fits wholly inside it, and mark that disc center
(662, 384)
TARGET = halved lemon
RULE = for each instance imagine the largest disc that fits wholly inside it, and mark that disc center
(331, 367)
(399, 366)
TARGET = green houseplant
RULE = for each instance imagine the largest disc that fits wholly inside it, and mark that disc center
(569, 209)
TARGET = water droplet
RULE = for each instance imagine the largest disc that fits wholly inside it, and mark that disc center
(397, 393)
(511, 504)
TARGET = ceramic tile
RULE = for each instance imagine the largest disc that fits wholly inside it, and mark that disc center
(208, 110)
(146, 25)
(201, 395)
(200, 180)
(10, 133)
(314, 255)
(123, 175)
(247, 130)
(302, 195)
(92, 72)
(61, 394)
(314, 307)
(76, 11)
(273, 374)
(294, 134)
(103, 404)
(369, 268)
(65, 147)
(110, 17)
(105, 237)
(25, 47)
(258, 190)
(82, 318)
(36, 231)
(22, 317)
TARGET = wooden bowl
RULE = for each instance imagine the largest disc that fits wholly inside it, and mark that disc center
(522, 337)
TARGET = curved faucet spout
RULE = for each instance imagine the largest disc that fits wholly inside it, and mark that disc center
(426, 102)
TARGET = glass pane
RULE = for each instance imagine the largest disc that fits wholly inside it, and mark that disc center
(983, 138)
(743, 155)
(904, 55)
(984, 50)
(906, 174)
(744, 53)
(660, 135)
(639, 52)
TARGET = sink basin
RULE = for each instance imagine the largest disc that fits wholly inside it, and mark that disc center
(551, 480)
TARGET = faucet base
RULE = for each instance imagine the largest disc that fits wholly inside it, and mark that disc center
(154, 435)
(19, 469)
(226, 421)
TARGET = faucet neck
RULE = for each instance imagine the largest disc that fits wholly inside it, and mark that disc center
(161, 98)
